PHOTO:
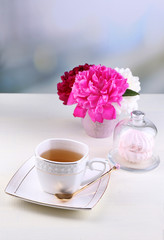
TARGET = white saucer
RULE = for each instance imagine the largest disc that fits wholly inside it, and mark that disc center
(25, 185)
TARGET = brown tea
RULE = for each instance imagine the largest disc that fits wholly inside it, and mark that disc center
(61, 155)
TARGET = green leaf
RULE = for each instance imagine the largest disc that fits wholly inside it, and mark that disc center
(129, 93)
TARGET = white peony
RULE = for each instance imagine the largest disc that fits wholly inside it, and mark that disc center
(128, 104)
(134, 83)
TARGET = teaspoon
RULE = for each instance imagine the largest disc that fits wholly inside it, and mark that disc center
(68, 196)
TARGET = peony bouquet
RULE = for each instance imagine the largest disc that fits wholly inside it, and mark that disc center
(100, 91)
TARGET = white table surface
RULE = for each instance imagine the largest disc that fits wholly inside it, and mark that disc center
(132, 208)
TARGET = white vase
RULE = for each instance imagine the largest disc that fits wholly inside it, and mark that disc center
(97, 129)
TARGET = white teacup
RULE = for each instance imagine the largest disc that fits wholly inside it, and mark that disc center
(64, 177)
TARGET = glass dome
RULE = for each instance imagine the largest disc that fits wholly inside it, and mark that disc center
(134, 143)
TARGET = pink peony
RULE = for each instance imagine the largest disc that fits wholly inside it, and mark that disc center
(65, 87)
(95, 90)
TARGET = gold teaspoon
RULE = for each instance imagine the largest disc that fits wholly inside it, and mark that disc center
(68, 196)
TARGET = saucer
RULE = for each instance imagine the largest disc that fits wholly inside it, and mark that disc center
(25, 185)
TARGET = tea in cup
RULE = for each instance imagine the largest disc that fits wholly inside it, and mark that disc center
(62, 163)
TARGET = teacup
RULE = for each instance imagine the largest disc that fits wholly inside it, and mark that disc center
(63, 170)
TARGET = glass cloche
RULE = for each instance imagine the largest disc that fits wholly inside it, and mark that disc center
(133, 143)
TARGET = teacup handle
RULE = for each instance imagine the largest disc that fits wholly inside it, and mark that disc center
(91, 167)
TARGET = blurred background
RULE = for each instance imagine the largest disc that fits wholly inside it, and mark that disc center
(41, 39)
